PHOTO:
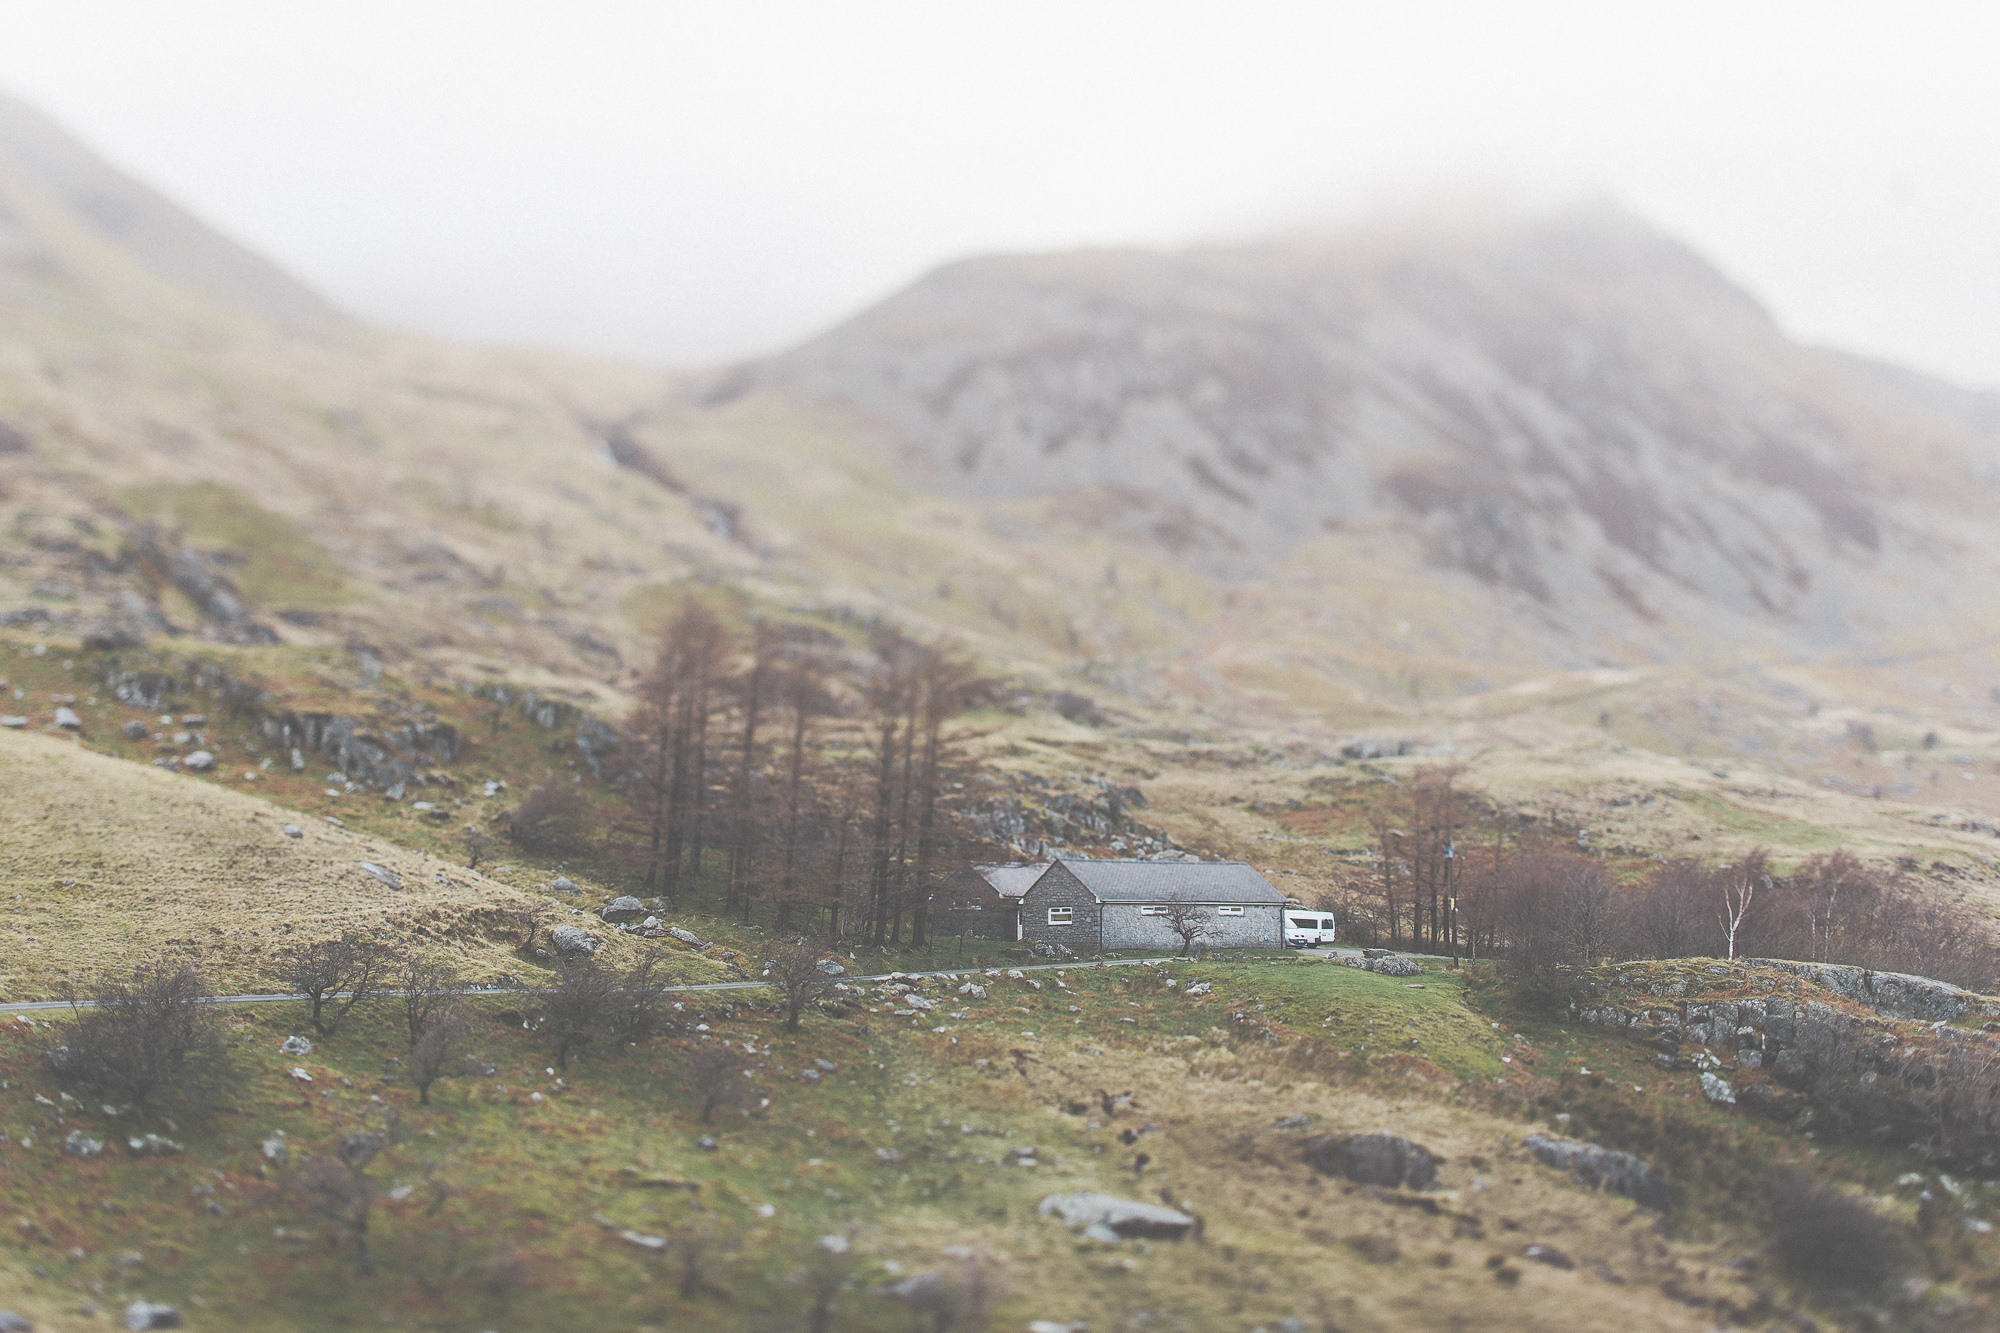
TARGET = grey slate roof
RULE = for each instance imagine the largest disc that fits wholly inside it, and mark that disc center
(1157, 881)
(1011, 881)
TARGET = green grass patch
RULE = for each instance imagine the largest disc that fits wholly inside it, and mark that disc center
(273, 558)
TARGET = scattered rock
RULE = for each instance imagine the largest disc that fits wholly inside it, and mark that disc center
(1550, 1255)
(1293, 1122)
(201, 761)
(1717, 1090)
(134, 731)
(295, 1046)
(1374, 1159)
(13, 723)
(1374, 953)
(888, 1155)
(650, 1244)
(563, 884)
(919, 1291)
(573, 941)
(67, 719)
(1200, 988)
(976, 992)
(1395, 967)
(809, 1075)
(301, 1075)
(79, 1144)
(1122, 1217)
(142, 1315)
(394, 793)
(687, 937)
(274, 1148)
(152, 1145)
(831, 968)
(292, 831)
(707, 1143)
(13, 1323)
(827, 1066)
(1603, 1168)
(385, 877)
(835, 1245)
(622, 909)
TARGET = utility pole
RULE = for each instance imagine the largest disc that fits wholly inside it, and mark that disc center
(1451, 897)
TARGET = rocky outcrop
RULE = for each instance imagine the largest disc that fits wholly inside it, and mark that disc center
(1862, 1055)
(1601, 1168)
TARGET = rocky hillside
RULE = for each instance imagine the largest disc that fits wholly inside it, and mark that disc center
(1578, 412)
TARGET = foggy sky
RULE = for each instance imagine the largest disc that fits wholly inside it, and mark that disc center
(688, 183)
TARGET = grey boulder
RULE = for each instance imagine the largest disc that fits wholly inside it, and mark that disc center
(1603, 1168)
(201, 761)
(572, 941)
(135, 731)
(1374, 1159)
(142, 1315)
(1124, 1218)
(622, 909)
(67, 719)
(388, 879)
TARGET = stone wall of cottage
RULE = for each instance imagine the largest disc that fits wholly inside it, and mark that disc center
(1060, 888)
(1125, 927)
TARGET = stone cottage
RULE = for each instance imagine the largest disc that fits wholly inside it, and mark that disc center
(984, 901)
(1091, 906)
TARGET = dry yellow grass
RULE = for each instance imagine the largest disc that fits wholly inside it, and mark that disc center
(106, 861)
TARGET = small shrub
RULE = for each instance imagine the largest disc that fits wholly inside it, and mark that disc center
(593, 1002)
(794, 972)
(715, 1077)
(554, 819)
(137, 1040)
(1824, 1236)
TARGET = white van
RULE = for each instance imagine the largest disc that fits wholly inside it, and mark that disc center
(1307, 930)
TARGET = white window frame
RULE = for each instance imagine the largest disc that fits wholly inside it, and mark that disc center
(1152, 911)
(1062, 916)
(1229, 911)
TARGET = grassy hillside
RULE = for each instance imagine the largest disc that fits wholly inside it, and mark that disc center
(929, 1145)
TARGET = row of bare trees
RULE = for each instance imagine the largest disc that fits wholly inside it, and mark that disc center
(1524, 890)
(762, 761)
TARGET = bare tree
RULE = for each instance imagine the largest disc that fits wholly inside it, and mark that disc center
(1191, 920)
(794, 972)
(338, 1189)
(334, 976)
(1738, 891)
(805, 693)
(478, 844)
(666, 747)
(440, 1049)
(715, 1077)
(140, 1038)
(753, 690)
(429, 985)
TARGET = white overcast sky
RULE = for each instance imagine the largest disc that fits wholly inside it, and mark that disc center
(693, 182)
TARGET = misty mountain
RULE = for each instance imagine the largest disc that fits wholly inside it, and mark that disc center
(1576, 409)
(53, 187)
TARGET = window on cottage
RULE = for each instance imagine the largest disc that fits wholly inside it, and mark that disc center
(1229, 911)
(1152, 911)
(1061, 916)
